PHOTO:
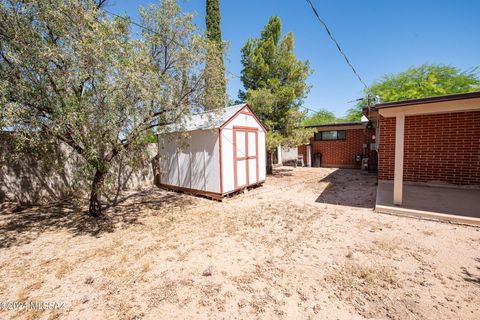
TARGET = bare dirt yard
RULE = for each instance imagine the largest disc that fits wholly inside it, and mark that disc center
(305, 245)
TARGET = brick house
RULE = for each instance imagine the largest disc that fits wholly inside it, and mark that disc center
(432, 141)
(341, 145)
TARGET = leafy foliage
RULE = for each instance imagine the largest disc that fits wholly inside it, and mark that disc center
(427, 80)
(69, 73)
(275, 84)
(323, 116)
(354, 114)
(215, 86)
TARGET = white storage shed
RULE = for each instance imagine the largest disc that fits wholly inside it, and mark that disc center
(214, 153)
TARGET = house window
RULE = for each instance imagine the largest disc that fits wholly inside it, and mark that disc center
(330, 135)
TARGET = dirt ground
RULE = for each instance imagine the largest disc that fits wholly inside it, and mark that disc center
(305, 245)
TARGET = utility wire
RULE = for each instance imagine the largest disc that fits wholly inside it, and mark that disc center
(336, 42)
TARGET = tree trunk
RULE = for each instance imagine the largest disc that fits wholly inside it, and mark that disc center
(95, 208)
(269, 162)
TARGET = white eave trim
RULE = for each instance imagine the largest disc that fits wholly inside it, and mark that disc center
(432, 108)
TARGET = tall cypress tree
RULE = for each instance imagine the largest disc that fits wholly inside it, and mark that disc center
(215, 86)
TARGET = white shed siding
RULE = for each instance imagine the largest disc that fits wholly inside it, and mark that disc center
(191, 162)
(212, 161)
(241, 120)
(227, 160)
(244, 120)
(262, 169)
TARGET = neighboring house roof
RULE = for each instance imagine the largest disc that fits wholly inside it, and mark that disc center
(340, 124)
(205, 120)
(450, 97)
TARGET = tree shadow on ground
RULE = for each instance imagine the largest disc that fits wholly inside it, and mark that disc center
(281, 173)
(470, 277)
(21, 225)
(349, 187)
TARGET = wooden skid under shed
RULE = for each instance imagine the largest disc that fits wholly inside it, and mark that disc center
(207, 194)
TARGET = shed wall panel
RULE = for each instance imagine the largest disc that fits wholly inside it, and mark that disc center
(190, 162)
(227, 160)
(168, 162)
(183, 159)
(262, 169)
(197, 164)
(212, 161)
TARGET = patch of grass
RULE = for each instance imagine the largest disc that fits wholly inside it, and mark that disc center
(146, 266)
(382, 276)
(35, 285)
(387, 247)
(33, 314)
(365, 287)
(22, 295)
(63, 269)
(166, 292)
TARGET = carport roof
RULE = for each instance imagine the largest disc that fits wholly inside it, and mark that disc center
(450, 97)
(340, 124)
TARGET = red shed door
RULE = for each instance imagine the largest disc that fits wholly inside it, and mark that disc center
(245, 156)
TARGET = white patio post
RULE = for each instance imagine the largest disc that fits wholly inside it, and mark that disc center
(309, 156)
(398, 172)
(279, 155)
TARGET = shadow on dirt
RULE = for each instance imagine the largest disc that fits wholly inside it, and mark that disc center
(349, 187)
(279, 173)
(470, 277)
(21, 225)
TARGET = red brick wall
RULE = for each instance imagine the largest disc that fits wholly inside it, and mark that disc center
(441, 147)
(386, 149)
(372, 155)
(338, 153)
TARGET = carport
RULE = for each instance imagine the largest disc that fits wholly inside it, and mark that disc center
(429, 157)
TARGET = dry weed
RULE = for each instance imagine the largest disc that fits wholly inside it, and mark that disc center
(22, 295)
(123, 258)
(63, 269)
(146, 267)
(166, 292)
(365, 287)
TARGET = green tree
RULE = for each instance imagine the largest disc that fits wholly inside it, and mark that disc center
(322, 116)
(215, 84)
(69, 73)
(427, 80)
(275, 86)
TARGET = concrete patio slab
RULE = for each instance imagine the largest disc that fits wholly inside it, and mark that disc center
(441, 203)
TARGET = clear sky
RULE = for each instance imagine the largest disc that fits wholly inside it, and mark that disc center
(379, 37)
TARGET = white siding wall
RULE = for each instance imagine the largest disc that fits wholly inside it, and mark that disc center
(262, 169)
(227, 159)
(242, 120)
(191, 162)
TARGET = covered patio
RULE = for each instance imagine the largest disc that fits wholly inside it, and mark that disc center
(460, 205)
(429, 157)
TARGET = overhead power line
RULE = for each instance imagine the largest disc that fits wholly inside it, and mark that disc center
(336, 42)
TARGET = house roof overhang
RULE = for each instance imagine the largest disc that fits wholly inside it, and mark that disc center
(432, 105)
(339, 126)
